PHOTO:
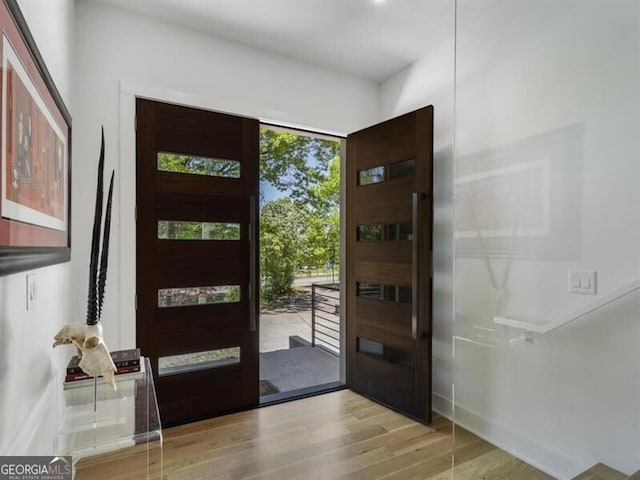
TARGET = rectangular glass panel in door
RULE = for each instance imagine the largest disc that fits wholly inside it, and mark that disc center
(177, 230)
(385, 173)
(189, 362)
(198, 165)
(388, 280)
(189, 296)
(196, 251)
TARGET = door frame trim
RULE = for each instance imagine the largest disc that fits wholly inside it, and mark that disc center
(126, 196)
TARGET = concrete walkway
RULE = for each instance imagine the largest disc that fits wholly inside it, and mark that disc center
(299, 367)
(277, 326)
(293, 368)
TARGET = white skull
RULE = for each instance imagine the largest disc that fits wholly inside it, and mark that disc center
(95, 359)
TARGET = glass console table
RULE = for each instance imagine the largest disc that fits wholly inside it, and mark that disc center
(117, 436)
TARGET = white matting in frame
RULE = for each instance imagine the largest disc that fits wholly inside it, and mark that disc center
(51, 160)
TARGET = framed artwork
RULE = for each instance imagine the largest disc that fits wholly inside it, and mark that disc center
(35, 160)
(511, 200)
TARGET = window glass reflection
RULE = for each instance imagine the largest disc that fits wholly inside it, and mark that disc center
(384, 352)
(387, 293)
(379, 233)
(384, 173)
(193, 296)
(177, 230)
(195, 165)
(189, 362)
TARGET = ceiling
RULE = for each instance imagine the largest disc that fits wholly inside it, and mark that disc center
(371, 39)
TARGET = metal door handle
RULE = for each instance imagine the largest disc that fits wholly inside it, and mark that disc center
(415, 264)
(252, 263)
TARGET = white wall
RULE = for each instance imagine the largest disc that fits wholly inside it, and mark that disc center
(30, 371)
(429, 81)
(538, 80)
(120, 54)
(554, 83)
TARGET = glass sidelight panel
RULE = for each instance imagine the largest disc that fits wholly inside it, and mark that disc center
(189, 362)
(384, 352)
(178, 230)
(191, 296)
(388, 293)
(379, 233)
(384, 173)
(195, 165)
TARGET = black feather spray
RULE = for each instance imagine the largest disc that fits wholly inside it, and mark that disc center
(104, 257)
(92, 301)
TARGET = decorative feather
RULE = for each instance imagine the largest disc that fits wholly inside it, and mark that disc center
(104, 258)
(92, 304)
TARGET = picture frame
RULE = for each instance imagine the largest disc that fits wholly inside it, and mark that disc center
(511, 199)
(35, 154)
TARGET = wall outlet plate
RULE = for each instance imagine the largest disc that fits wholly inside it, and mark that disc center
(32, 291)
(583, 282)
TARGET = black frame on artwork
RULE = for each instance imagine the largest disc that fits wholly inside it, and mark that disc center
(14, 259)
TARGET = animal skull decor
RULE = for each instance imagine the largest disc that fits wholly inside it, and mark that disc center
(95, 359)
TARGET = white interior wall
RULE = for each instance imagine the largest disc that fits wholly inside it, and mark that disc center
(30, 371)
(120, 55)
(533, 79)
(568, 400)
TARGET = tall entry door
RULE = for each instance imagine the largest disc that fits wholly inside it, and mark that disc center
(197, 186)
(389, 230)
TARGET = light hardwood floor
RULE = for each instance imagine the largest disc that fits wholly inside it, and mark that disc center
(340, 435)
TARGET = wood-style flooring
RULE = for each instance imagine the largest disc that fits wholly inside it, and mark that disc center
(339, 435)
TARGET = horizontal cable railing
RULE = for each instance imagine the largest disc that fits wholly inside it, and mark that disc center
(325, 316)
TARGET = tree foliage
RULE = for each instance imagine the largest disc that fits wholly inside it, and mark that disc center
(282, 233)
(176, 230)
(295, 163)
(193, 164)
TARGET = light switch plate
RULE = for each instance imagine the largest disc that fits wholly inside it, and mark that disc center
(32, 291)
(583, 282)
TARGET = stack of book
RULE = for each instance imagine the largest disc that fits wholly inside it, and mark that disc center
(127, 363)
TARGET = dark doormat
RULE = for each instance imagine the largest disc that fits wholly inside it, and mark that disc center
(267, 388)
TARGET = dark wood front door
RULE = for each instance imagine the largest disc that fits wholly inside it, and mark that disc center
(197, 184)
(389, 227)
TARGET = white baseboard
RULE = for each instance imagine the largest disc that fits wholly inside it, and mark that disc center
(442, 406)
(39, 428)
(515, 443)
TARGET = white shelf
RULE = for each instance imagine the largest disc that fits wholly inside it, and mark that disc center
(543, 326)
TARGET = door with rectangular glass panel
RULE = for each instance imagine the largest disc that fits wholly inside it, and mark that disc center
(197, 182)
(389, 227)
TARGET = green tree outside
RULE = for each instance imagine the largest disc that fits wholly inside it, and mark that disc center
(282, 238)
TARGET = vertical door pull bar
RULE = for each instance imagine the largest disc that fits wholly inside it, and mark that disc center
(252, 263)
(415, 272)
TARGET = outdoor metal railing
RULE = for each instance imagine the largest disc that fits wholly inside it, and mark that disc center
(325, 316)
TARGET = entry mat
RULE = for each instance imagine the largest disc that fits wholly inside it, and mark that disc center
(267, 388)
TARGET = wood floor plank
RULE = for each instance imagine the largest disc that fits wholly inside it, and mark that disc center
(340, 435)
(601, 471)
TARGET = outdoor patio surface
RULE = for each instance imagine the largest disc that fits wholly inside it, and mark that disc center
(276, 326)
(293, 368)
(299, 367)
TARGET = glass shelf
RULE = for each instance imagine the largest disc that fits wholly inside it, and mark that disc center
(120, 430)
